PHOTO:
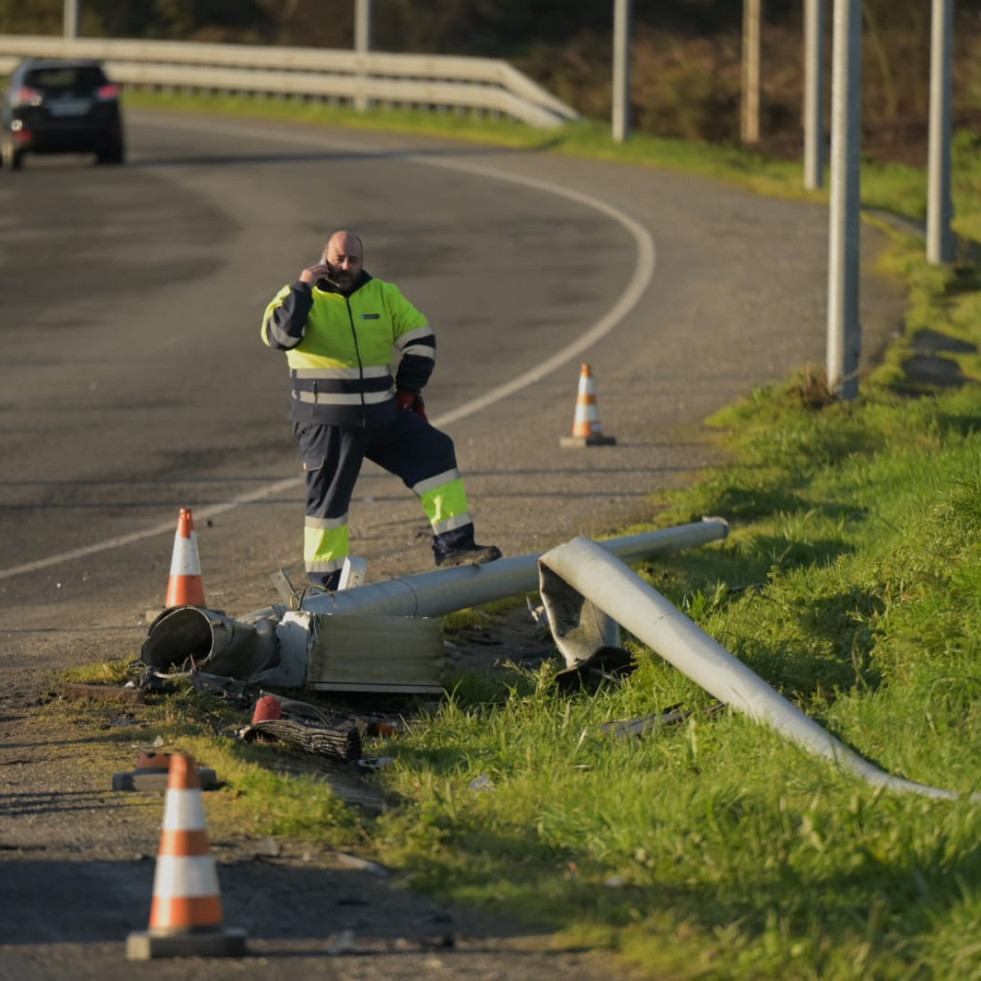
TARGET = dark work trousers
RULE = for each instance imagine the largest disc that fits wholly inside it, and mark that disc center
(408, 447)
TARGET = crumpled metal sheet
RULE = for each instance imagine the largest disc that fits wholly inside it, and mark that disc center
(586, 637)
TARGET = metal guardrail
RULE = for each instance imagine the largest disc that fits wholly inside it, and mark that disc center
(431, 81)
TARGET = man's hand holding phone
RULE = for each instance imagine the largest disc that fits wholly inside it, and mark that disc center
(320, 271)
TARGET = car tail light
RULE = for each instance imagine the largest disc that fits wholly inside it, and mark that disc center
(106, 93)
(26, 96)
(22, 135)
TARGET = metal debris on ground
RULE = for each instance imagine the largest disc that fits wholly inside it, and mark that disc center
(607, 665)
(153, 681)
(647, 723)
(102, 693)
(539, 616)
(220, 685)
(288, 592)
(337, 742)
(372, 724)
(348, 943)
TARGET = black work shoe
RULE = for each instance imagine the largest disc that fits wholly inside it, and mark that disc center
(469, 553)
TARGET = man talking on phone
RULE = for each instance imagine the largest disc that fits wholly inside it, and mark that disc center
(342, 329)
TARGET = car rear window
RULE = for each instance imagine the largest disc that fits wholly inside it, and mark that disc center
(68, 77)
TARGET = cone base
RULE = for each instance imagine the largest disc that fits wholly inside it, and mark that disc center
(596, 439)
(147, 946)
(157, 779)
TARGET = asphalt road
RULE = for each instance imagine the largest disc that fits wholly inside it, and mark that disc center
(133, 383)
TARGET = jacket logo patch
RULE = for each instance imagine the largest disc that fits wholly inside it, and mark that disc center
(370, 316)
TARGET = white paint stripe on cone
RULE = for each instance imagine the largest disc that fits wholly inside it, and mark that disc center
(185, 560)
(179, 877)
(184, 811)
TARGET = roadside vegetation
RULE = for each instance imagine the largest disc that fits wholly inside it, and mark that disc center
(686, 55)
(851, 582)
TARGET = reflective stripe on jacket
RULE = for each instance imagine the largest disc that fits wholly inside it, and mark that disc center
(340, 348)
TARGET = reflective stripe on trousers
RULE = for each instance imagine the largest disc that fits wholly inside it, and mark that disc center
(325, 543)
(408, 447)
(444, 499)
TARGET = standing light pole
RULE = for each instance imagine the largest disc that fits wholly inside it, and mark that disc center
(71, 19)
(813, 94)
(362, 42)
(750, 116)
(844, 332)
(621, 70)
(940, 209)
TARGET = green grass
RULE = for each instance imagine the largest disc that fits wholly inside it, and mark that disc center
(851, 582)
(715, 849)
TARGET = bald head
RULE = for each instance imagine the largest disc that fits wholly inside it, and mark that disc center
(343, 243)
(344, 257)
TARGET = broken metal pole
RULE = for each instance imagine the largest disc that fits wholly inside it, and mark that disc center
(274, 644)
(604, 583)
(433, 594)
(212, 641)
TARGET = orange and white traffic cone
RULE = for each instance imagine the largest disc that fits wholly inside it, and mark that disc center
(186, 914)
(586, 428)
(185, 587)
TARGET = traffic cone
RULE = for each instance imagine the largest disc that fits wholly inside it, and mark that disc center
(186, 914)
(185, 587)
(586, 428)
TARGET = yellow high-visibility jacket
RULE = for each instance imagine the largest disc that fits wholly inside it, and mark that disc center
(340, 349)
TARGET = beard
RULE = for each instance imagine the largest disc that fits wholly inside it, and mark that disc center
(341, 280)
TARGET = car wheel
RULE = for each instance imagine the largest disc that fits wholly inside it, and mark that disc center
(111, 155)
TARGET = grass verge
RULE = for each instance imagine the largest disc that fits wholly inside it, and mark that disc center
(851, 582)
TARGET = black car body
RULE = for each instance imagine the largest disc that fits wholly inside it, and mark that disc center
(60, 106)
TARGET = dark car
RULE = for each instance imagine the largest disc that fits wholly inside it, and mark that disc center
(60, 106)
